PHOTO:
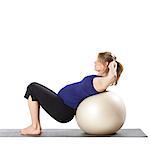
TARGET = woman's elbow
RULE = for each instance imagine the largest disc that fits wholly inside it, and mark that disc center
(102, 89)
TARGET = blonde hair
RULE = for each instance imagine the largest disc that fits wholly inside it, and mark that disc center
(108, 57)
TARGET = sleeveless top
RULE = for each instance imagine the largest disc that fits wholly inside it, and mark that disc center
(73, 94)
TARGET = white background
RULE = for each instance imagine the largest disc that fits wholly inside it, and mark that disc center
(56, 43)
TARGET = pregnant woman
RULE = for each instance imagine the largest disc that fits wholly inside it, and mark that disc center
(62, 105)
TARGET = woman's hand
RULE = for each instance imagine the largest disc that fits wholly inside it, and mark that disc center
(113, 71)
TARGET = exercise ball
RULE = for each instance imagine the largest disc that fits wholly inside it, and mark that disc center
(103, 113)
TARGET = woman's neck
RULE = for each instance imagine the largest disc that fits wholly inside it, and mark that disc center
(102, 75)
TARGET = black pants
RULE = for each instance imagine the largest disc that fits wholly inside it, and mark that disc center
(50, 102)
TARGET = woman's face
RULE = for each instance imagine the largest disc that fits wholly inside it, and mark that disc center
(100, 67)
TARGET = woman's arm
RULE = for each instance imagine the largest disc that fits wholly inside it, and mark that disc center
(106, 81)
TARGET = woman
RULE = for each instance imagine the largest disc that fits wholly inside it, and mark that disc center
(62, 106)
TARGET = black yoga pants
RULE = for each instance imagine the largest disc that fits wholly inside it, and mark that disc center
(50, 102)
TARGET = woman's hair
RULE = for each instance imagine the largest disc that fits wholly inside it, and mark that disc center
(108, 57)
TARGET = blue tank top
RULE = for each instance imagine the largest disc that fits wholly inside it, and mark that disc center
(74, 93)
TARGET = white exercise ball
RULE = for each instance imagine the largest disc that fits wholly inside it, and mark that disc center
(103, 113)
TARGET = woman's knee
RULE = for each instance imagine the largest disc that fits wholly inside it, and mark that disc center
(32, 84)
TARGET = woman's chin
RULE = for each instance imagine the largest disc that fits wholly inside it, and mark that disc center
(99, 73)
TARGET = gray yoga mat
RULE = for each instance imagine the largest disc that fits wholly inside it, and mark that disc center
(72, 133)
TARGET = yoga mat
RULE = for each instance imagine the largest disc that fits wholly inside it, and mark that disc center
(72, 133)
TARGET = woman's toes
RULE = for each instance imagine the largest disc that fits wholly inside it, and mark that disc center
(22, 131)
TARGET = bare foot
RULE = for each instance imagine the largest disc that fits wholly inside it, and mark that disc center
(30, 130)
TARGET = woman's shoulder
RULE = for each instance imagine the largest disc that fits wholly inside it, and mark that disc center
(96, 83)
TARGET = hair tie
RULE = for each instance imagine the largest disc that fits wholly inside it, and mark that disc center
(113, 56)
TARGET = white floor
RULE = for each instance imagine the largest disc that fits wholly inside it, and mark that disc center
(75, 143)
